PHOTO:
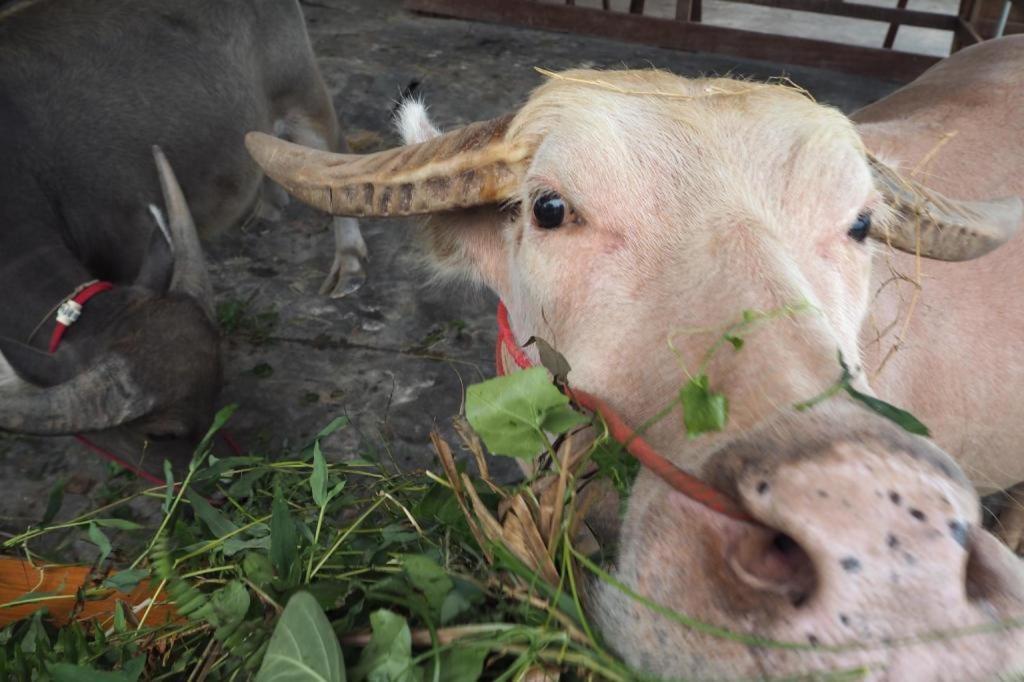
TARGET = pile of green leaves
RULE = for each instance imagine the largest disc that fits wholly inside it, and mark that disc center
(305, 569)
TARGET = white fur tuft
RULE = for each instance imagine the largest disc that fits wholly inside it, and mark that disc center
(161, 222)
(413, 123)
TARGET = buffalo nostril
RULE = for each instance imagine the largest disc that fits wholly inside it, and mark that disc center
(774, 562)
(784, 544)
(994, 575)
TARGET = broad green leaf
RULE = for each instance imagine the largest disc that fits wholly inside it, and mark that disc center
(429, 578)
(242, 486)
(463, 664)
(331, 594)
(236, 544)
(303, 646)
(133, 668)
(318, 479)
(54, 502)
(439, 503)
(703, 410)
(229, 604)
(284, 537)
(98, 538)
(219, 524)
(460, 600)
(562, 419)
(127, 580)
(511, 413)
(258, 569)
(388, 656)
(35, 639)
(908, 421)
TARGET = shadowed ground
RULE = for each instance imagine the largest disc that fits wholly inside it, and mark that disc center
(394, 357)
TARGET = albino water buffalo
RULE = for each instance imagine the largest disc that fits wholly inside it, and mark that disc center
(630, 217)
(87, 87)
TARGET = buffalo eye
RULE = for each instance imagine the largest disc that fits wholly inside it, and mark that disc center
(549, 210)
(860, 228)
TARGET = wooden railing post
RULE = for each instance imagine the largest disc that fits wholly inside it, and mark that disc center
(688, 10)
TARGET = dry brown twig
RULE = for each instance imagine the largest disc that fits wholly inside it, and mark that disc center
(529, 523)
(916, 281)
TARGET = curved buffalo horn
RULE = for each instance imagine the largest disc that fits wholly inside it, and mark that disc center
(470, 166)
(101, 397)
(190, 276)
(948, 229)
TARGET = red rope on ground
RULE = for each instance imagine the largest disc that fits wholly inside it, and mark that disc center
(687, 484)
(106, 454)
(231, 443)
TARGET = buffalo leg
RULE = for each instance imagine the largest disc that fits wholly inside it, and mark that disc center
(347, 273)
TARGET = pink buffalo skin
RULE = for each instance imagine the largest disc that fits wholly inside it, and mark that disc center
(686, 202)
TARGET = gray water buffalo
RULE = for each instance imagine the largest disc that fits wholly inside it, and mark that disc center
(87, 87)
(631, 217)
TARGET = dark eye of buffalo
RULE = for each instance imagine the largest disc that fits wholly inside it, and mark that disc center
(549, 210)
(860, 228)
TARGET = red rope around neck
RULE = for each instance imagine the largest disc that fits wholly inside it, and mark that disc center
(70, 309)
(687, 484)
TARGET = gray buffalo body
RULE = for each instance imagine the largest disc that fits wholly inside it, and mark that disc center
(87, 89)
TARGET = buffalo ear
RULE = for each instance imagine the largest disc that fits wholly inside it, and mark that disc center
(469, 245)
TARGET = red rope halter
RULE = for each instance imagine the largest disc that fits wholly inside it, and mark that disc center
(687, 484)
(70, 309)
(67, 314)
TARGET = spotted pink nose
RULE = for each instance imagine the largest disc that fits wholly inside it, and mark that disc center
(867, 553)
(873, 543)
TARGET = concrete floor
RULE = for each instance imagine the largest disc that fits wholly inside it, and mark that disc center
(396, 356)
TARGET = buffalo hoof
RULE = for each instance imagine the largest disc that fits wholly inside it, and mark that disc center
(346, 277)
